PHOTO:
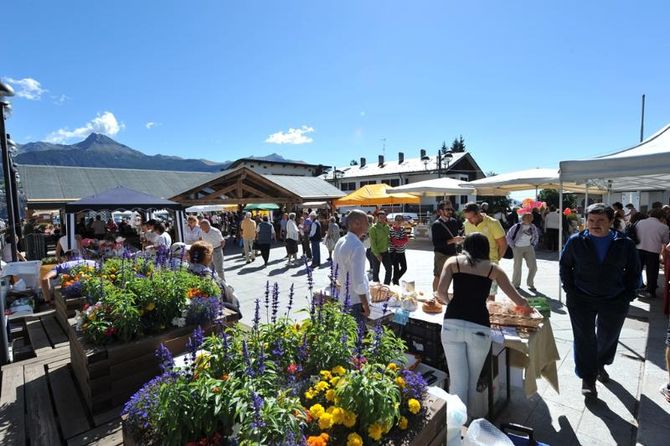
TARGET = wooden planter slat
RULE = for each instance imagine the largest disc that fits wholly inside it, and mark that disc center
(109, 375)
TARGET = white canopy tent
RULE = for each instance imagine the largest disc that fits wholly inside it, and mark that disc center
(540, 178)
(436, 187)
(645, 166)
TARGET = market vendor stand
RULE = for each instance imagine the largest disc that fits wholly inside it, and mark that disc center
(531, 354)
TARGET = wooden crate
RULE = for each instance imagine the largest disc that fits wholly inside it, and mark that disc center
(109, 375)
(65, 308)
(434, 433)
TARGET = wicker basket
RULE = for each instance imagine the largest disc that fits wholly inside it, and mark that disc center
(381, 293)
(532, 321)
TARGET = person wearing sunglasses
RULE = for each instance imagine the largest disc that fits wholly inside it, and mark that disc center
(444, 233)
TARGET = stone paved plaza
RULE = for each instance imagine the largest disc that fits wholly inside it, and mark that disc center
(629, 410)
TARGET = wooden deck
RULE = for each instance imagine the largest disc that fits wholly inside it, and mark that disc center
(40, 403)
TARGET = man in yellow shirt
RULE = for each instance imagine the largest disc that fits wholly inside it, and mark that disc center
(475, 221)
(248, 236)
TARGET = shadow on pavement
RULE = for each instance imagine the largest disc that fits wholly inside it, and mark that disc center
(619, 428)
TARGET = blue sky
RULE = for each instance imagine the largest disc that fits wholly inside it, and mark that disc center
(527, 83)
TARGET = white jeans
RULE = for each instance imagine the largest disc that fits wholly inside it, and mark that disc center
(466, 346)
(521, 253)
(248, 249)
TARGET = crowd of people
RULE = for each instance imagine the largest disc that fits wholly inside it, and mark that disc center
(600, 265)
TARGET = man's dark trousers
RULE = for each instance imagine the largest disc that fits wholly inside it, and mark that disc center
(388, 267)
(596, 328)
(650, 261)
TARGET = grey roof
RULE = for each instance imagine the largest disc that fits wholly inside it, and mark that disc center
(308, 188)
(60, 184)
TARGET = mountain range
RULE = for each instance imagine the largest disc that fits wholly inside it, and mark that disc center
(99, 150)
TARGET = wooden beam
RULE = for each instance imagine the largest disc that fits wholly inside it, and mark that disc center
(188, 203)
(255, 191)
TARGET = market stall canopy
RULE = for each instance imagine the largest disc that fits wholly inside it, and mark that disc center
(242, 185)
(436, 187)
(261, 207)
(314, 204)
(212, 208)
(645, 166)
(376, 194)
(121, 197)
(525, 180)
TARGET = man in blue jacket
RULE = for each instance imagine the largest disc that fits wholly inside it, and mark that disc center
(600, 271)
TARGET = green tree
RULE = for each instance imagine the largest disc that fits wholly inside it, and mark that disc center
(458, 145)
(444, 149)
(551, 196)
(353, 163)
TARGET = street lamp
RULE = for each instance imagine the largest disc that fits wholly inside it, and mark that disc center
(441, 157)
(7, 91)
(14, 178)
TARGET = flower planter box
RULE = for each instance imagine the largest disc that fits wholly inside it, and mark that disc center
(66, 307)
(109, 375)
(434, 432)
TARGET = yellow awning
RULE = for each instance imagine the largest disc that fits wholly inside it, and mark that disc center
(375, 194)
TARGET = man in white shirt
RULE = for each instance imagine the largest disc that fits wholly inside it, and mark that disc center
(653, 235)
(214, 237)
(349, 261)
(551, 224)
(192, 232)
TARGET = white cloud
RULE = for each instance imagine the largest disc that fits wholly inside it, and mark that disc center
(27, 88)
(152, 124)
(292, 136)
(59, 100)
(103, 123)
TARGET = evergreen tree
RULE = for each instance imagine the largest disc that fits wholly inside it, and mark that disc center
(444, 149)
(458, 145)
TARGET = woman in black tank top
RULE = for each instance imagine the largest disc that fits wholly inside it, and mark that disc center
(466, 336)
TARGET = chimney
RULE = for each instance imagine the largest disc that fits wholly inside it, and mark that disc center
(423, 153)
(401, 157)
(381, 160)
(362, 163)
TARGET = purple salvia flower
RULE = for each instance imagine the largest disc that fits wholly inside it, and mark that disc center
(302, 349)
(275, 301)
(260, 362)
(247, 360)
(347, 295)
(290, 299)
(267, 301)
(278, 350)
(165, 357)
(257, 314)
(379, 331)
(257, 403)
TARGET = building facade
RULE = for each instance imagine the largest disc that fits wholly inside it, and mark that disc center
(401, 171)
(266, 166)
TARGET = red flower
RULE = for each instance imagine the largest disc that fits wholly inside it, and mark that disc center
(292, 368)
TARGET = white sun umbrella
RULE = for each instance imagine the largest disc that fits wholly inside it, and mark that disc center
(437, 187)
(524, 180)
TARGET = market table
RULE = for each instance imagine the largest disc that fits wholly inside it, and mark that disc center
(534, 352)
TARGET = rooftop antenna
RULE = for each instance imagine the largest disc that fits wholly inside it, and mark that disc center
(384, 147)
